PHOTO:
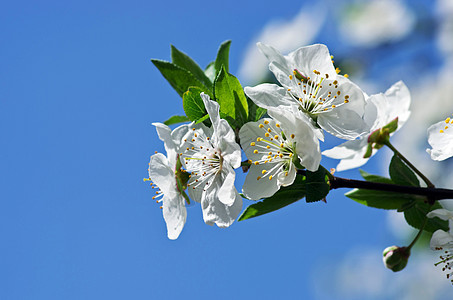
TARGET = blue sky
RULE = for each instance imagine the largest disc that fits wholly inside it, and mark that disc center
(78, 95)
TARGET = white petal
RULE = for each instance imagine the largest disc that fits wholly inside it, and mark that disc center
(195, 194)
(172, 140)
(249, 133)
(161, 174)
(212, 108)
(227, 192)
(226, 142)
(268, 95)
(278, 64)
(314, 57)
(175, 214)
(399, 99)
(351, 154)
(441, 213)
(441, 239)
(220, 127)
(255, 189)
(215, 211)
(343, 123)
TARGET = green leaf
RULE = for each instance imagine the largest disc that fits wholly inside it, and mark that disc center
(255, 112)
(282, 198)
(317, 186)
(222, 58)
(415, 216)
(375, 178)
(179, 78)
(401, 174)
(231, 98)
(184, 61)
(176, 120)
(379, 199)
(210, 71)
(193, 104)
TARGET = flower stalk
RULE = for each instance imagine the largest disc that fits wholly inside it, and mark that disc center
(401, 156)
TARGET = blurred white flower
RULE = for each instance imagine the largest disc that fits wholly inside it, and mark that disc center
(370, 23)
(445, 32)
(440, 137)
(443, 241)
(285, 35)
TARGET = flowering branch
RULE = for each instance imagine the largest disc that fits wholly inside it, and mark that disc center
(433, 193)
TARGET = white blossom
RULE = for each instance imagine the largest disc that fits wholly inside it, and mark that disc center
(440, 137)
(443, 241)
(310, 83)
(273, 146)
(211, 154)
(165, 172)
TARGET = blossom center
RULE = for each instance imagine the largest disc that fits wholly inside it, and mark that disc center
(315, 94)
(203, 160)
(274, 149)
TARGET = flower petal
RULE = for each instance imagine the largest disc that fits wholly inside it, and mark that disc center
(268, 95)
(161, 174)
(175, 214)
(441, 213)
(351, 154)
(343, 123)
(227, 191)
(278, 64)
(441, 239)
(313, 57)
(255, 189)
(215, 211)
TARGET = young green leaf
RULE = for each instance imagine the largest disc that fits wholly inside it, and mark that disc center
(222, 58)
(176, 120)
(179, 78)
(379, 199)
(193, 104)
(401, 174)
(317, 186)
(230, 95)
(255, 112)
(282, 198)
(415, 216)
(184, 61)
(375, 178)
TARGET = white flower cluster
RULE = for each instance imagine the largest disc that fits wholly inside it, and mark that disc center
(312, 98)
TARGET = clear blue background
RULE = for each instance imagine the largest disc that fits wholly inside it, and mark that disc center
(78, 94)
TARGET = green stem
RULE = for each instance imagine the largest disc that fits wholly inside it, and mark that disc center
(418, 235)
(425, 179)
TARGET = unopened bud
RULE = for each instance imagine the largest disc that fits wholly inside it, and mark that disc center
(395, 258)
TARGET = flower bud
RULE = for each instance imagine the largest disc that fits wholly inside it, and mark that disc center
(395, 258)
